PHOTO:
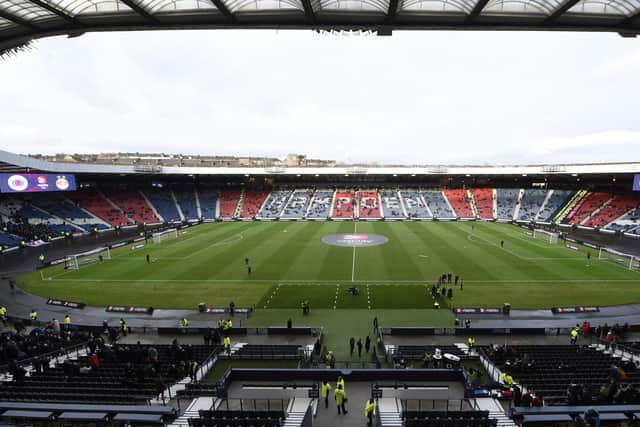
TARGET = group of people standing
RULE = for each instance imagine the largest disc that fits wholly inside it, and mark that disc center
(353, 344)
(340, 397)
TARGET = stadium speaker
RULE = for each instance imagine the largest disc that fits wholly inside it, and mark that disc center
(202, 307)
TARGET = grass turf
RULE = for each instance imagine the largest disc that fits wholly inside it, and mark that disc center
(207, 265)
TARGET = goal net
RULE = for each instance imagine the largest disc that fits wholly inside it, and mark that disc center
(74, 262)
(548, 236)
(625, 260)
(172, 233)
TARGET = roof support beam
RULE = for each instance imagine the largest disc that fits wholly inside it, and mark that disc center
(477, 10)
(224, 10)
(140, 11)
(560, 11)
(16, 19)
(391, 12)
(631, 20)
(308, 11)
(70, 19)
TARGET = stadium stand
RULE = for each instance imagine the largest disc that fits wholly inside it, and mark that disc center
(297, 205)
(62, 208)
(459, 200)
(415, 205)
(134, 206)
(448, 418)
(626, 223)
(554, 203)
(320, 205)
(208, 203)
(229, 199)
(94, 202)
(186, 199)
(238, 418)
(506, 201)
(391, 205)
(274, 204)
(164, 203)
(530, 204)
(617, 207)
(438, 205)
(368, 205)
(252, 203)
(484, 199)
(567, 374)
(268, 351)
(587, 207)
(8, 240)
(343, 205)
(31, 222)
(124, 374)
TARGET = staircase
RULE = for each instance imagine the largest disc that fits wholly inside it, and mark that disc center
(577, 197)
(496, 411)
(297, 411)
(516, 211)
(472, 201)
(197, 404)
(388, 412)
(238, 211)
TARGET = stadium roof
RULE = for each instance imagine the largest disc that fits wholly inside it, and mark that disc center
(24, 20)
(10, 162)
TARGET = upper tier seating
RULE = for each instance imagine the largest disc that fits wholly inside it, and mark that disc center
(587, 206)
(320, 206)
(555, 367)
(208, 202)
(93, 201)
(187, 200)
(368, 205)
(130, 374)
(506, 201)
(484, 202)
(530, 204)
(253, 200)
(229, 198)
(297, 205)
(459, 200)
(415, 205)
(162, 200)
(133, 205)
(620, 205)
(343, 204)
(438, 204)
(557, 199)
(391, 204)
(627, 222)
(274, 205)
(59, 206)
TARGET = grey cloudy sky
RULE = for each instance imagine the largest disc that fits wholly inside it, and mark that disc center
(427, 97)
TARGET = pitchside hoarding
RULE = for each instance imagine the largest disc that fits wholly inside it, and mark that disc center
(636, 182)
(33, 182)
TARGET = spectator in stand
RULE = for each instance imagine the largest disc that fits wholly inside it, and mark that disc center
(94, 362)
(537, 401)
(586, 328)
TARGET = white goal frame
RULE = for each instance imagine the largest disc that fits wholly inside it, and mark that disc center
(161, 236)
(74, 262)
(549, 236)
(630, 262)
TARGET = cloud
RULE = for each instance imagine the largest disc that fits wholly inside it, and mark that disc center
(417, 97)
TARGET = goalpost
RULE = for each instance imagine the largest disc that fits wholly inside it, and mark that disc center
(171, 233)
(548, 236)
(74, 262)
(625, 260)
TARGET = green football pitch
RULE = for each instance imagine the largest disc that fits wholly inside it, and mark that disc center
(291, 263)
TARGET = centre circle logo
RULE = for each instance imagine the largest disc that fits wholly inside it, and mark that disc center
(355, 240)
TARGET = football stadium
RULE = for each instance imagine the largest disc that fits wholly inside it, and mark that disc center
(470, 259)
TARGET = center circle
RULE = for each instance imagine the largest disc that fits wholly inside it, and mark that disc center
(355, 240)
